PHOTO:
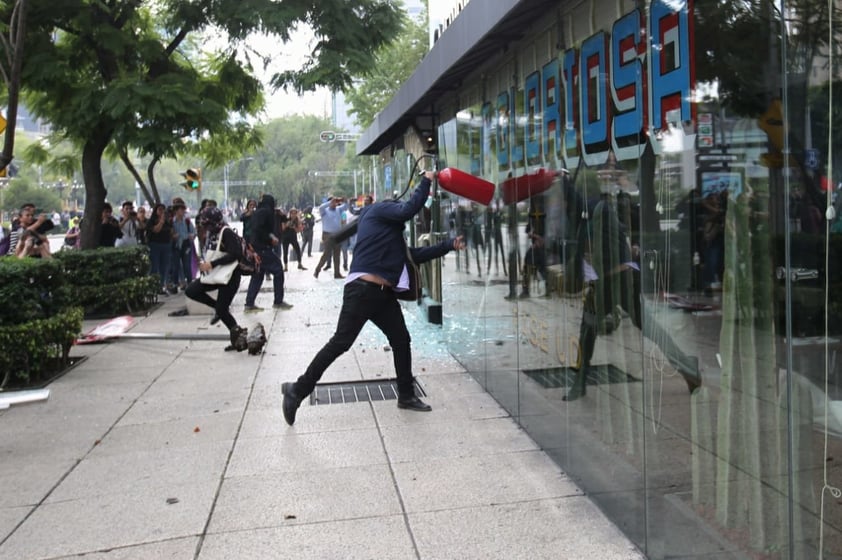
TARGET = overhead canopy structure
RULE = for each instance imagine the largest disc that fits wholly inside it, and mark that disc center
(480, 32)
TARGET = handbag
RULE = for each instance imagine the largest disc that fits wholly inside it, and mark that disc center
(219, 274)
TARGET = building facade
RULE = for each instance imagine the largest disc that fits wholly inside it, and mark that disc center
(654, 292)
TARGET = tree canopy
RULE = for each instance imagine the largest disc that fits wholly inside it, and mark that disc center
(395, 63)
(144, 74)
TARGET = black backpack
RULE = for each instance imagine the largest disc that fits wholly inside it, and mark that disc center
(250, 261)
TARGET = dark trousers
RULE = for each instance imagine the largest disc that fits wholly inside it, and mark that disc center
(600, 302)
(307, 242)
(159, 257)
(287, 241)
(181, 263)
(330, 249)
(271, 263)
(362, 302)
(226, 292)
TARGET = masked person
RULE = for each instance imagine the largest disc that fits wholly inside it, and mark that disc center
(379, 273)
(263, 239)
(214, 225)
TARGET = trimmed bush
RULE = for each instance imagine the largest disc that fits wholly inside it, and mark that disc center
(110, 281)
(31, 289)
(46, 299)
(35, 346)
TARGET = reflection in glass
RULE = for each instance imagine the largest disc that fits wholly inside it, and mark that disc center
(662, 314)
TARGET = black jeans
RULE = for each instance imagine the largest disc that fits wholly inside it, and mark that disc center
(286, 242)
(363, 302)
(199, 292)
(271, 263)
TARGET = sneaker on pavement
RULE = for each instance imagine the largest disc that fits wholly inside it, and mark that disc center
(283, 305)
(252, 309)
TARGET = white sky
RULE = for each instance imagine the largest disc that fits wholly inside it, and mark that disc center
(288, 57)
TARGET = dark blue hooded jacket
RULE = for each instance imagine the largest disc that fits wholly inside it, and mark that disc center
(380, 247)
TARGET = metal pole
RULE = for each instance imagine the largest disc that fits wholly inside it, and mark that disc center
(225, 186)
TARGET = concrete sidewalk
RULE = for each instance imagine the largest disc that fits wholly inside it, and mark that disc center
(175, 449)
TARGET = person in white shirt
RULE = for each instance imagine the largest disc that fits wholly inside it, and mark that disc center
(128, 225)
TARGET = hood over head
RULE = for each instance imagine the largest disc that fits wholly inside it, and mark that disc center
(266, 201)
(211, 219)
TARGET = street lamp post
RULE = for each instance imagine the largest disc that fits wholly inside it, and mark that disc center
(225, 180)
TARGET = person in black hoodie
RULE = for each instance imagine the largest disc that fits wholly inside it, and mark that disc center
(263, 239)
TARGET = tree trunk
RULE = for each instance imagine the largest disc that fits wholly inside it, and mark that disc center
(13, 87)
(124, 157)
(95, 191)
(150, 174)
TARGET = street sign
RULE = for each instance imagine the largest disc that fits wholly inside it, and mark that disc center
(331, 136)
(2, 123)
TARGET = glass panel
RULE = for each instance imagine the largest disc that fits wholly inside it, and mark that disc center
(654, 291)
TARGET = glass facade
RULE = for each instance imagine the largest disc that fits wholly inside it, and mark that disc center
(654, 293)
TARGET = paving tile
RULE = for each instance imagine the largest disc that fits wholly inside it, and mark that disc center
(164, 409)
(448, 407)
(306, 452)
(275, 500)
(10, 517)
(453, 439)
(121, 519)
(128, 437)
(26, 482)
(382, 538)
(269, 421)
(151, 471)
(175, 549)
(569, 528)
(481, 481)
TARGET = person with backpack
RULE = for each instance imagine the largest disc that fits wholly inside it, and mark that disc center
(263, 239)
(214, 226)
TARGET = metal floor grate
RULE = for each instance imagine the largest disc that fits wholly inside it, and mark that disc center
(359, 391)
(553, 378)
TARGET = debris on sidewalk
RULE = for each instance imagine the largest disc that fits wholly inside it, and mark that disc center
(20, 397)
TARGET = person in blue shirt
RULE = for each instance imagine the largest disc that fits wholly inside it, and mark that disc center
(331, 213)
(379, 272)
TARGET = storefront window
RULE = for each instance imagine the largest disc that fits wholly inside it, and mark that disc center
(654, 291)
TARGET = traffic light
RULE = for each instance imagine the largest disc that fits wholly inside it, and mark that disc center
(193, 179)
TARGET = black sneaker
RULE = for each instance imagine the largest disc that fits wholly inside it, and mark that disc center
(239, 339)
(252, 309)
(284, 306)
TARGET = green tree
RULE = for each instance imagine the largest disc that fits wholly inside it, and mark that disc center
(395, 63)
(12, 38)
(126, 71)
(20, 192)
(292, 152)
